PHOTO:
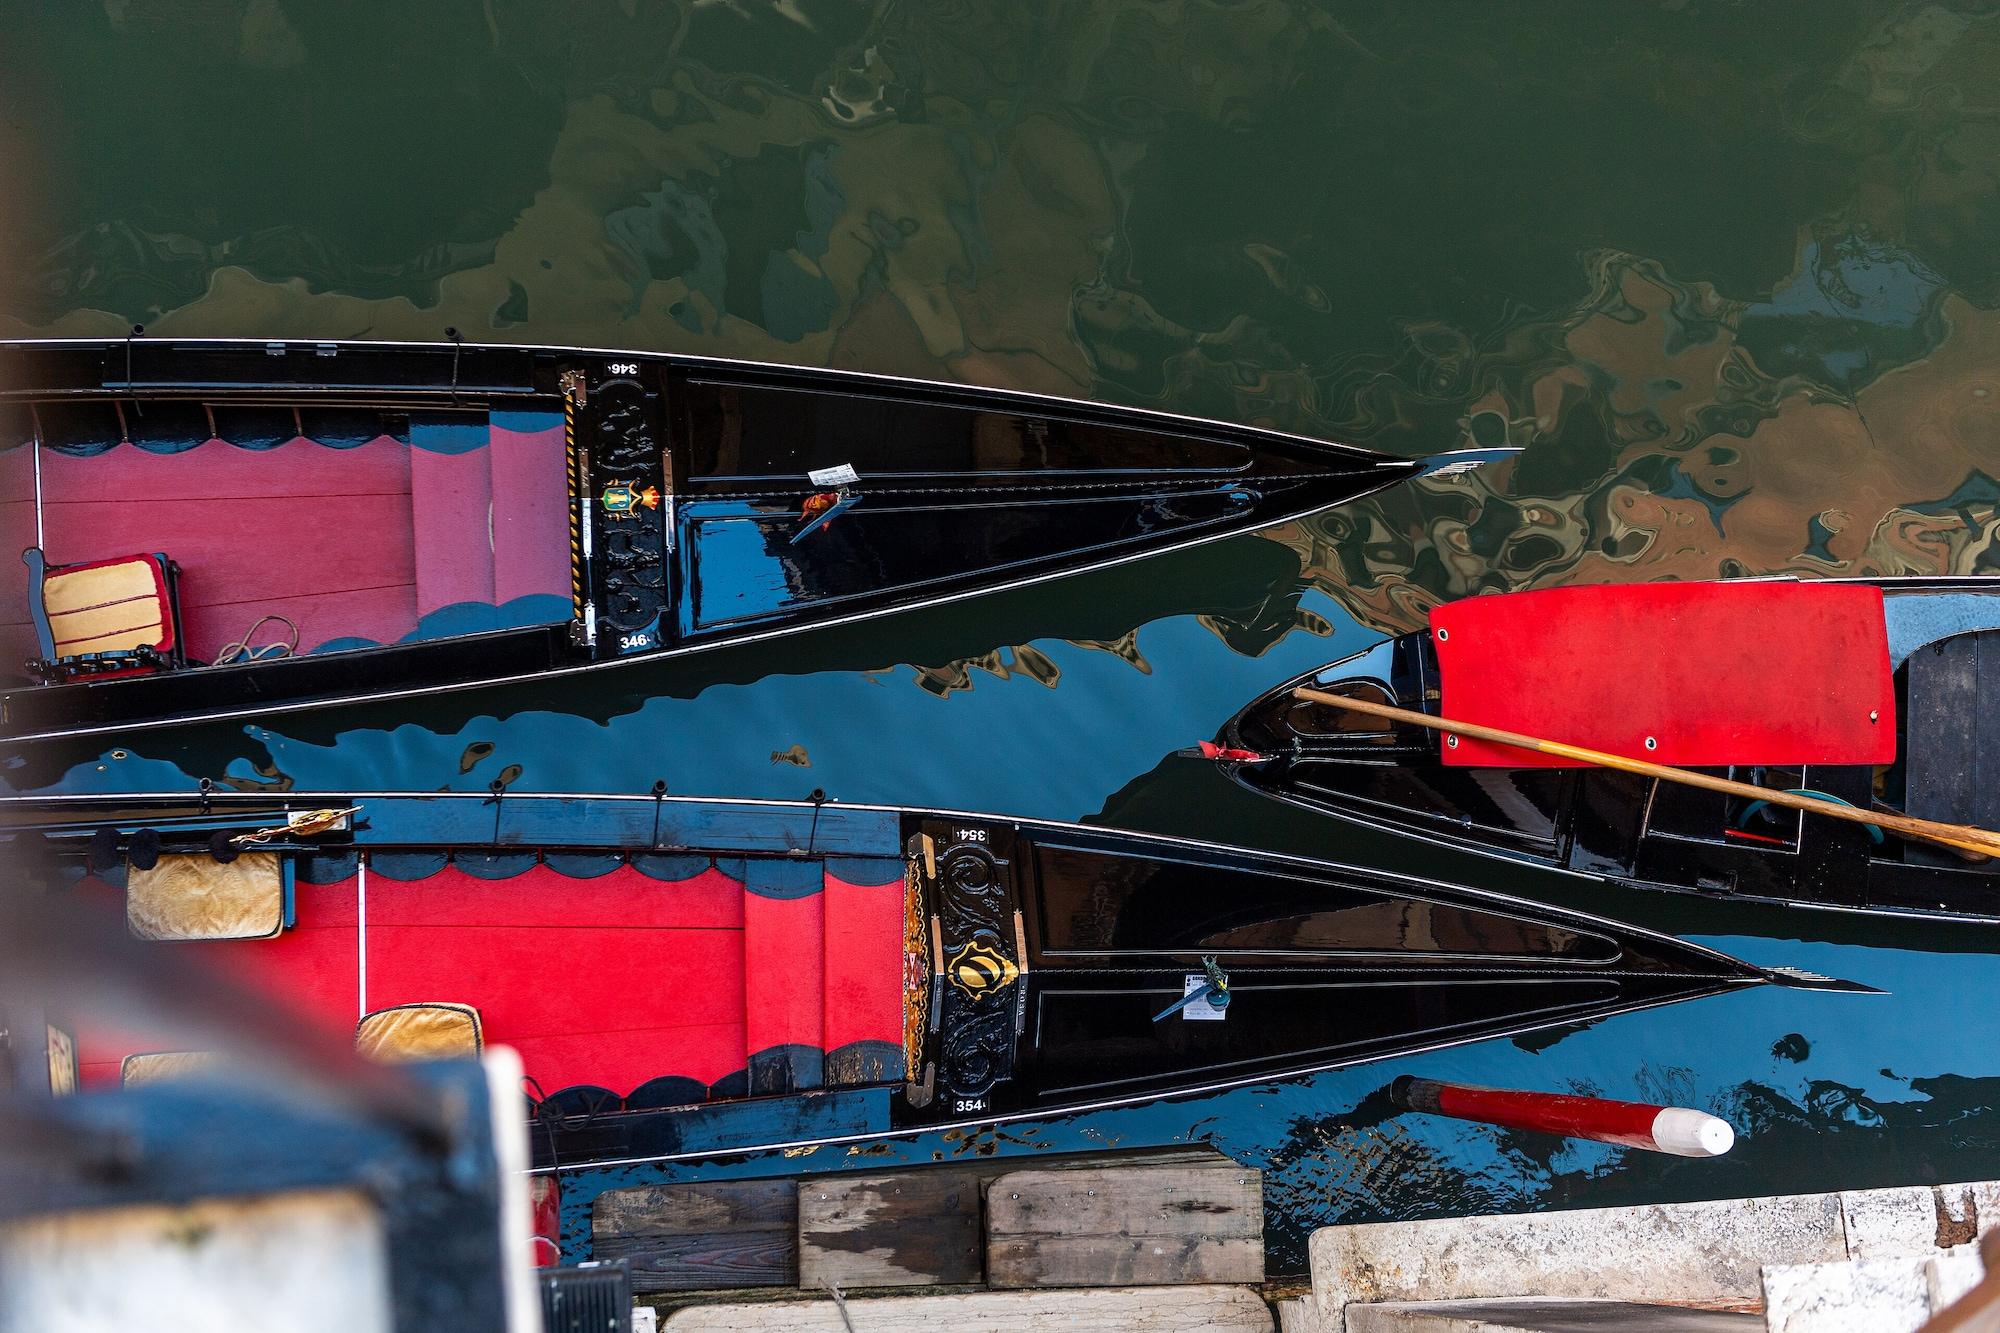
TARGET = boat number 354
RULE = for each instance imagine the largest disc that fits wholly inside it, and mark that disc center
(969, 835)
(967, 1105)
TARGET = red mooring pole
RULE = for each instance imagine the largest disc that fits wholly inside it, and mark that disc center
(1667, 1129)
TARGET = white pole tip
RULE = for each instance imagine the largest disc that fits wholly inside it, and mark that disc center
(1686, 1133)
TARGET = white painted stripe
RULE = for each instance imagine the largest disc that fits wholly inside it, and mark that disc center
(40, 541)
(361, 935)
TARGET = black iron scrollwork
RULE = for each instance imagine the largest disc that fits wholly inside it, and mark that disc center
(628, 515)
(983, 979)
(972, 890)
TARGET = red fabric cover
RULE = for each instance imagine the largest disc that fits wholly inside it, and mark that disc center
(864, 962)
(609, 981)
(783, 999)
(322, 536)
(1718, 673)
(311, 967)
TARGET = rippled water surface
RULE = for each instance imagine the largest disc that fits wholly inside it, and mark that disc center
(1730, 273)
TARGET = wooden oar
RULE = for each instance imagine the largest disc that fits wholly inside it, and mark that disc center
(1961, 837)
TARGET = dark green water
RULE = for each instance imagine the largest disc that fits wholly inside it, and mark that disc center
(1729, 272)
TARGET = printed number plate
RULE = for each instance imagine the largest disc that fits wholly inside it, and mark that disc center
(840, 475)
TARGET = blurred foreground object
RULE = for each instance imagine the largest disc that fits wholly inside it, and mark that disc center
(289, 1186)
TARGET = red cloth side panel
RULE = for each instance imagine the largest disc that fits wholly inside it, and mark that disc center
(610, 981)
(530, 512)
(451, 508)
(782, 965)
(864, 962)
(1716, 673)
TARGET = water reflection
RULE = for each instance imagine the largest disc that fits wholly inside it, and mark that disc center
(1728, 276)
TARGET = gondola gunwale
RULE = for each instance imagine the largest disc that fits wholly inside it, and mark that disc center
(1391, 881)
(542, 645)
(1433, 833)
(971, 394)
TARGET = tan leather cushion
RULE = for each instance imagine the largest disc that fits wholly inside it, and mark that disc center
(164, 1066)
(193, 897)
(420, 1032)
(100, 608)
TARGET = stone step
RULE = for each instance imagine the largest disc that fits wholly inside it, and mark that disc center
(1224, 1309)
(1533, 1314)
(1709, 1253)
(1697, 1253)
(1893, 1295)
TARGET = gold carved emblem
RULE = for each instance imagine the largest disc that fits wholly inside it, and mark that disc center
(978, 969)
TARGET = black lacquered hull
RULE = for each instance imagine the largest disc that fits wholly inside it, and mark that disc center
(687, 977)
(363, 521)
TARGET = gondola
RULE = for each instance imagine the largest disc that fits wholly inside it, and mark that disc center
(1878, 694)
(689, 977)
(218, 529)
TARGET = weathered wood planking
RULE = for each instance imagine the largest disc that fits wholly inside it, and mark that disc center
(917, 1228)
(687, 1237)
(906, 1229)
(1135, 1225)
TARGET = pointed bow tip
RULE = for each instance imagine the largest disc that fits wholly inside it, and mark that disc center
(1462, 460)
(1799, 979)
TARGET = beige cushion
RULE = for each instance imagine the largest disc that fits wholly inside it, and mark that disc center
(164, 1067)
(420, 1032)
(108, 606)
(195, 897)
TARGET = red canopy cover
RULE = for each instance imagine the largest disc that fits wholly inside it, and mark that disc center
(1715, 673)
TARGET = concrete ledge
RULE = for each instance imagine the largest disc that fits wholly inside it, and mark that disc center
(1869, 1296)
(1711, 1254)
(1537, 1315)
(1692, 1253)
(1086, 1310)
(1917, 1219)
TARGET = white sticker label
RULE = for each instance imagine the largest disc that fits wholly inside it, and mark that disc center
(1199, 1010)
(843, 475)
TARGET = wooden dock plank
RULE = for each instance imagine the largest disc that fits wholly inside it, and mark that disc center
(694, 1207)
(1128, 1261)
(917, 1228)
(698, 1235)
(705, 1263)
(1138, 1225)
